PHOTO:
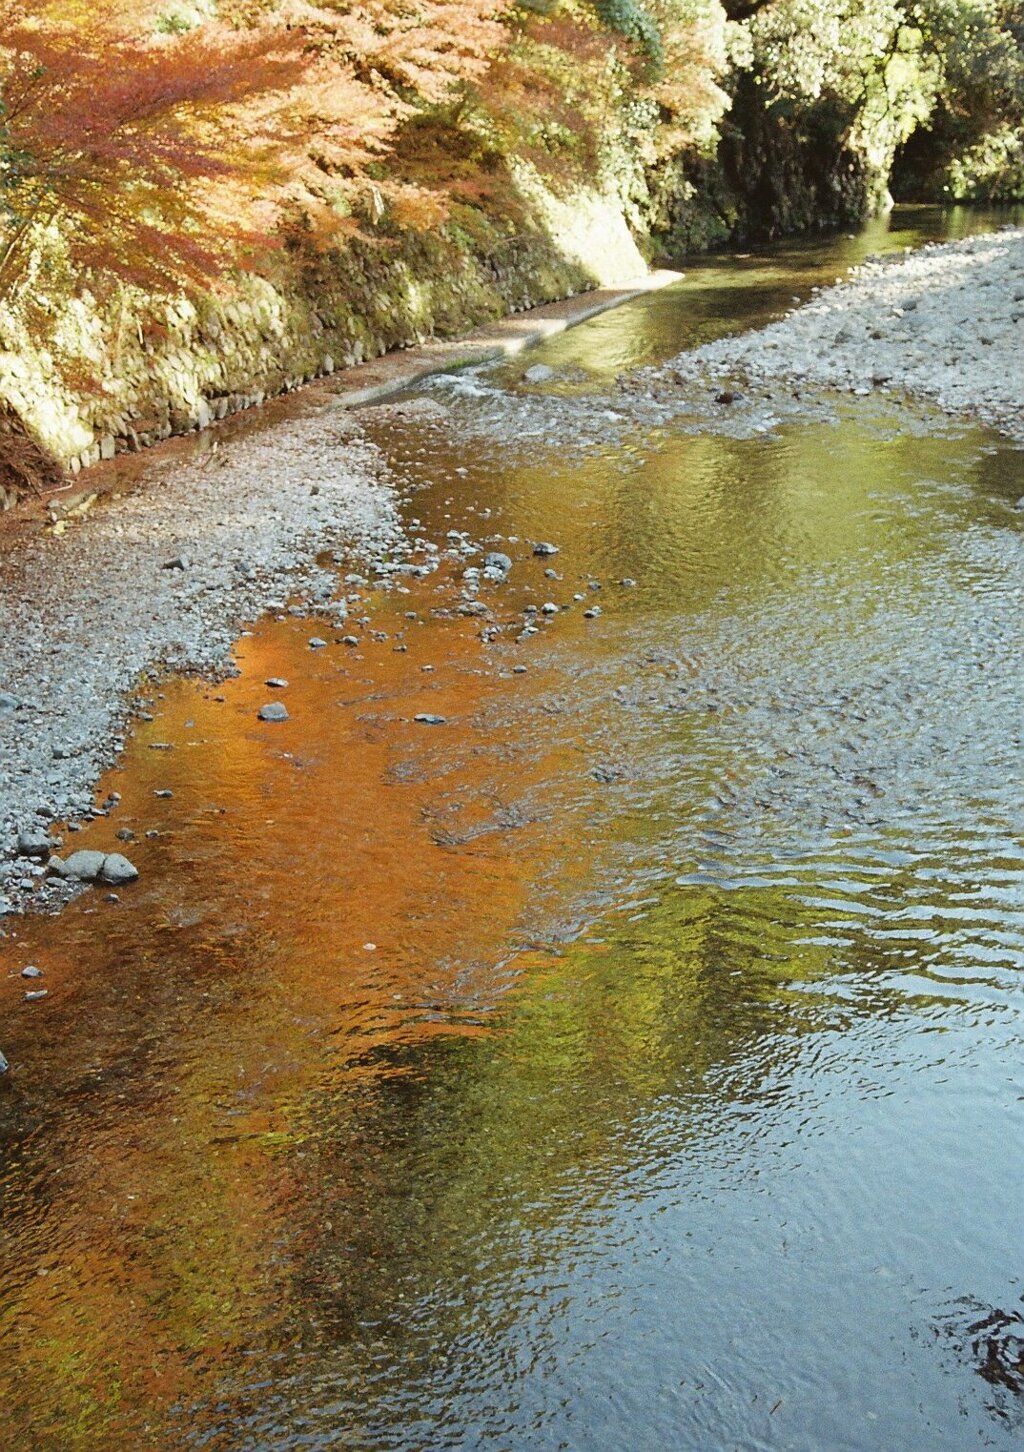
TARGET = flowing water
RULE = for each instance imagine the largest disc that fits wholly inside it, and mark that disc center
(632, 1059)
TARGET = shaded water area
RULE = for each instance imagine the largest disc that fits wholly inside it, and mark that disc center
(632, 1059)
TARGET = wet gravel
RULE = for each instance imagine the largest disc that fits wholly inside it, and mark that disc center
(944, 324)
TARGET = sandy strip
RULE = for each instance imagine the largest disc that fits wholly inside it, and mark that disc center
(944, 324)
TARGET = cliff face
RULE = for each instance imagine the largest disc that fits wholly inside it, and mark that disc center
(777, 171)
(87, 372)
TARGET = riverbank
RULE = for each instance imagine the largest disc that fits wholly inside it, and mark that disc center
(944, 324)
(156, 564)
(86, 378)
(162, 579)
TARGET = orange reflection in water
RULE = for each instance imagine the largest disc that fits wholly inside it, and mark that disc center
(321, 891)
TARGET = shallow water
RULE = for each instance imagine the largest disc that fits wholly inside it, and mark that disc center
(633, 1060)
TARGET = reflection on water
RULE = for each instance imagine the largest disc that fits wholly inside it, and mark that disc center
(721, 296)
(632, 1060)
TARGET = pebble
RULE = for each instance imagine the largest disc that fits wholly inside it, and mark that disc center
(276, 683)
(31, 971)
(34, 843)
(34, 995)
(4, 1065)
(426, 718)
(273, 711)
(549, 608)
(164, 793)
(543, 548)
(316, 642)
(592, 613)
(125, 834)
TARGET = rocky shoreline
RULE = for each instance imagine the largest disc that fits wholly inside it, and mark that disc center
(944, 325)
(162, 578)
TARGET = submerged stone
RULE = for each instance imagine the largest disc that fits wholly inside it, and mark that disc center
(88, 866)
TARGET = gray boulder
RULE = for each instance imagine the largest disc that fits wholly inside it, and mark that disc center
(34, 842)
(274, 711)
(117, 870)
(82, 866)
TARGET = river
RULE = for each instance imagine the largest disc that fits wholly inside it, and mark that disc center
(633, 1058)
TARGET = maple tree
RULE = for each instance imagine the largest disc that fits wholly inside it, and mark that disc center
(158, 148)
(116, 141)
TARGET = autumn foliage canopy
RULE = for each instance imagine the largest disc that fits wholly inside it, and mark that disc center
(158, 145)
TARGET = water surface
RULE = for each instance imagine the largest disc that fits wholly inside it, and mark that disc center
(632, 1060)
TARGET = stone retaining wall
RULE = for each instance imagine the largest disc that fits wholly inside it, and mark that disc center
(100, 379)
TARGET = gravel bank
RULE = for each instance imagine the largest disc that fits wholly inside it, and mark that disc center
(945, 324)
(162, 578)
(165, 577)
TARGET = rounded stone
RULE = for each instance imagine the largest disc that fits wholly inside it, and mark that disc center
(117, 870)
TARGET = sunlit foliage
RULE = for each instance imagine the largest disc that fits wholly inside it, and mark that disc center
(162, 140)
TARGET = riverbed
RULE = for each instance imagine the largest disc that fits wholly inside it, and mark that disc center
(627, 1052)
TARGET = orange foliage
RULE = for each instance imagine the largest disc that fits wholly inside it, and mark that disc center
(117, 140)
(370, 68)
(161, 157)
